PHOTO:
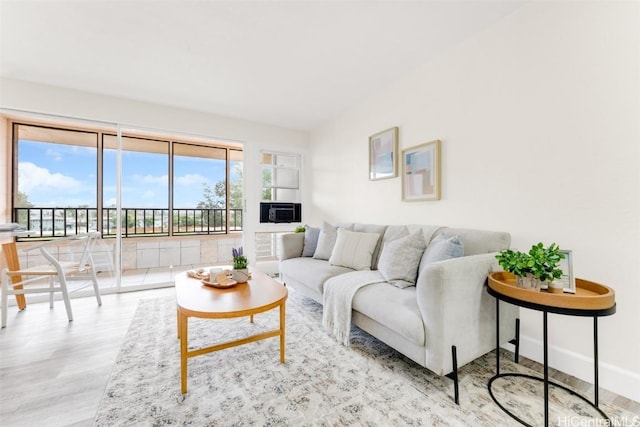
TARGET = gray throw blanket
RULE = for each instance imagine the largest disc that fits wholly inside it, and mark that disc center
(337, 299)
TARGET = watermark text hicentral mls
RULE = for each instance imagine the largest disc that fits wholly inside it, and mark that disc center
(575, 421)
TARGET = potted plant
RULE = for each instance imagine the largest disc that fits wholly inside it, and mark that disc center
(538, 267)
(239, 260)
(240, 273)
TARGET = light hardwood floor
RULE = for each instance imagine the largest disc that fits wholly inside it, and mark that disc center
(54, 372)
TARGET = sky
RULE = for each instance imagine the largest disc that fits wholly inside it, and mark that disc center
(63, 175)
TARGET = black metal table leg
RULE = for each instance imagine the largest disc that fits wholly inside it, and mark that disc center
(595, 359)
(497, 336)
(546, 370)
(546, 308)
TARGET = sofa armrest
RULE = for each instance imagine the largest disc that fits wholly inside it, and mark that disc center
(290, 245)
(457, 310)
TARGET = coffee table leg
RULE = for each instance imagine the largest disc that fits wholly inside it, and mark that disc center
(282, 326)
(183, 321)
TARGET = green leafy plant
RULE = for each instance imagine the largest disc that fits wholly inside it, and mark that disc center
(239, 260)
(300, 229)
(541, 262)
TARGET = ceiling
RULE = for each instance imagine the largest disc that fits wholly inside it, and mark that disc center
(294, 64)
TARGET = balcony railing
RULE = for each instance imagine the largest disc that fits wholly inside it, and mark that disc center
(58, 222)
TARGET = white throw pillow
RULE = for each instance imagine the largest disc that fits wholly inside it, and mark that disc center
(400, 259)
(354, 249)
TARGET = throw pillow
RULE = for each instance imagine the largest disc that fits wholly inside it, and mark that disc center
(442, 248)
(400, 259)
(310, 240)
(326, 241)
(354, 249)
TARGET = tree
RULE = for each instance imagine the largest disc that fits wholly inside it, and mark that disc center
(235, 188)
(22, 200)
(267, 192)
(216, 198)
(213, 198)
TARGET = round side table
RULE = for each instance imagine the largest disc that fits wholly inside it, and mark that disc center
(590, 300)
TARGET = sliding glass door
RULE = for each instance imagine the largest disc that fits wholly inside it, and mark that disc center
(162, 204)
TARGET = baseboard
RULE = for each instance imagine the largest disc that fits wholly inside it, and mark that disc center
(613, 378)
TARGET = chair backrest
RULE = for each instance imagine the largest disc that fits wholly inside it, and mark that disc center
(10, 252)
(89, 241)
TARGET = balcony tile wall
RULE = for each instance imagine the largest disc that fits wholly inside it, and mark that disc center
(150, 253)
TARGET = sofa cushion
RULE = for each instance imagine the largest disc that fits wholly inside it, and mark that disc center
(442, 248)
(395, 232)
(373, 228)
(310, 271)
(395, 308)
(327, 239)
(479, 241)
(311, 235)
(354, 250)
(400, 259)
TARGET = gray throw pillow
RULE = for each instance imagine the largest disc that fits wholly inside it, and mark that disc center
(400, 259)
(310, 240)
(442, 248)
(326, 241)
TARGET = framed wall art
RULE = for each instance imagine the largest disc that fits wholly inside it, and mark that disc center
(566, 265)
(421, 172)
(383, 154)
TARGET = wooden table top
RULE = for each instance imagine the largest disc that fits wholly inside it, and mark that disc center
(259, 294)
(589, 296)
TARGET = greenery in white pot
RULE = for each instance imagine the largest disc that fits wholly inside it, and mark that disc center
(239, 260)
(539, 263)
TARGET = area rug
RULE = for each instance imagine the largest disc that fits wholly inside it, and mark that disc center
(322, 383)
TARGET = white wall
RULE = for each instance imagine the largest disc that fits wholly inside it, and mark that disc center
(26, 96)
(539, 119)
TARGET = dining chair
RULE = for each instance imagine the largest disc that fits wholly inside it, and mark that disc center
(78, 264)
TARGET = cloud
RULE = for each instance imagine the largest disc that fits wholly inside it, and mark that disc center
(190, 179)
(54, 155)
(32, 177)
(152, 179)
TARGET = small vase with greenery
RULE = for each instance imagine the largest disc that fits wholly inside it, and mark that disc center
(534, 269)
(239, 273)
(239, 260)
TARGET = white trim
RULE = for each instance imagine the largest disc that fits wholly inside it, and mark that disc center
(17, 114)
(611, 377)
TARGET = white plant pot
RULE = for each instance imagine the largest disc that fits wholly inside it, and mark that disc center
(529, 281)
(240, 276)
(556, 288)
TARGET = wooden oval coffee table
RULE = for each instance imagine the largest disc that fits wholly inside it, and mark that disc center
(261, 293)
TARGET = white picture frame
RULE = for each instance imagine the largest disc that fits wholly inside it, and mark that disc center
(567, 279)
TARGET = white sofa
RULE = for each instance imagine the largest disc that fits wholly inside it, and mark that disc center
(447, 312)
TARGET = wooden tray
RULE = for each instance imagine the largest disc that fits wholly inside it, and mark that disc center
(588, 296)
(224, 285)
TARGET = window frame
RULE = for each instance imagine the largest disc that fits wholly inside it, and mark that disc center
(274, 174)
(101, 133)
